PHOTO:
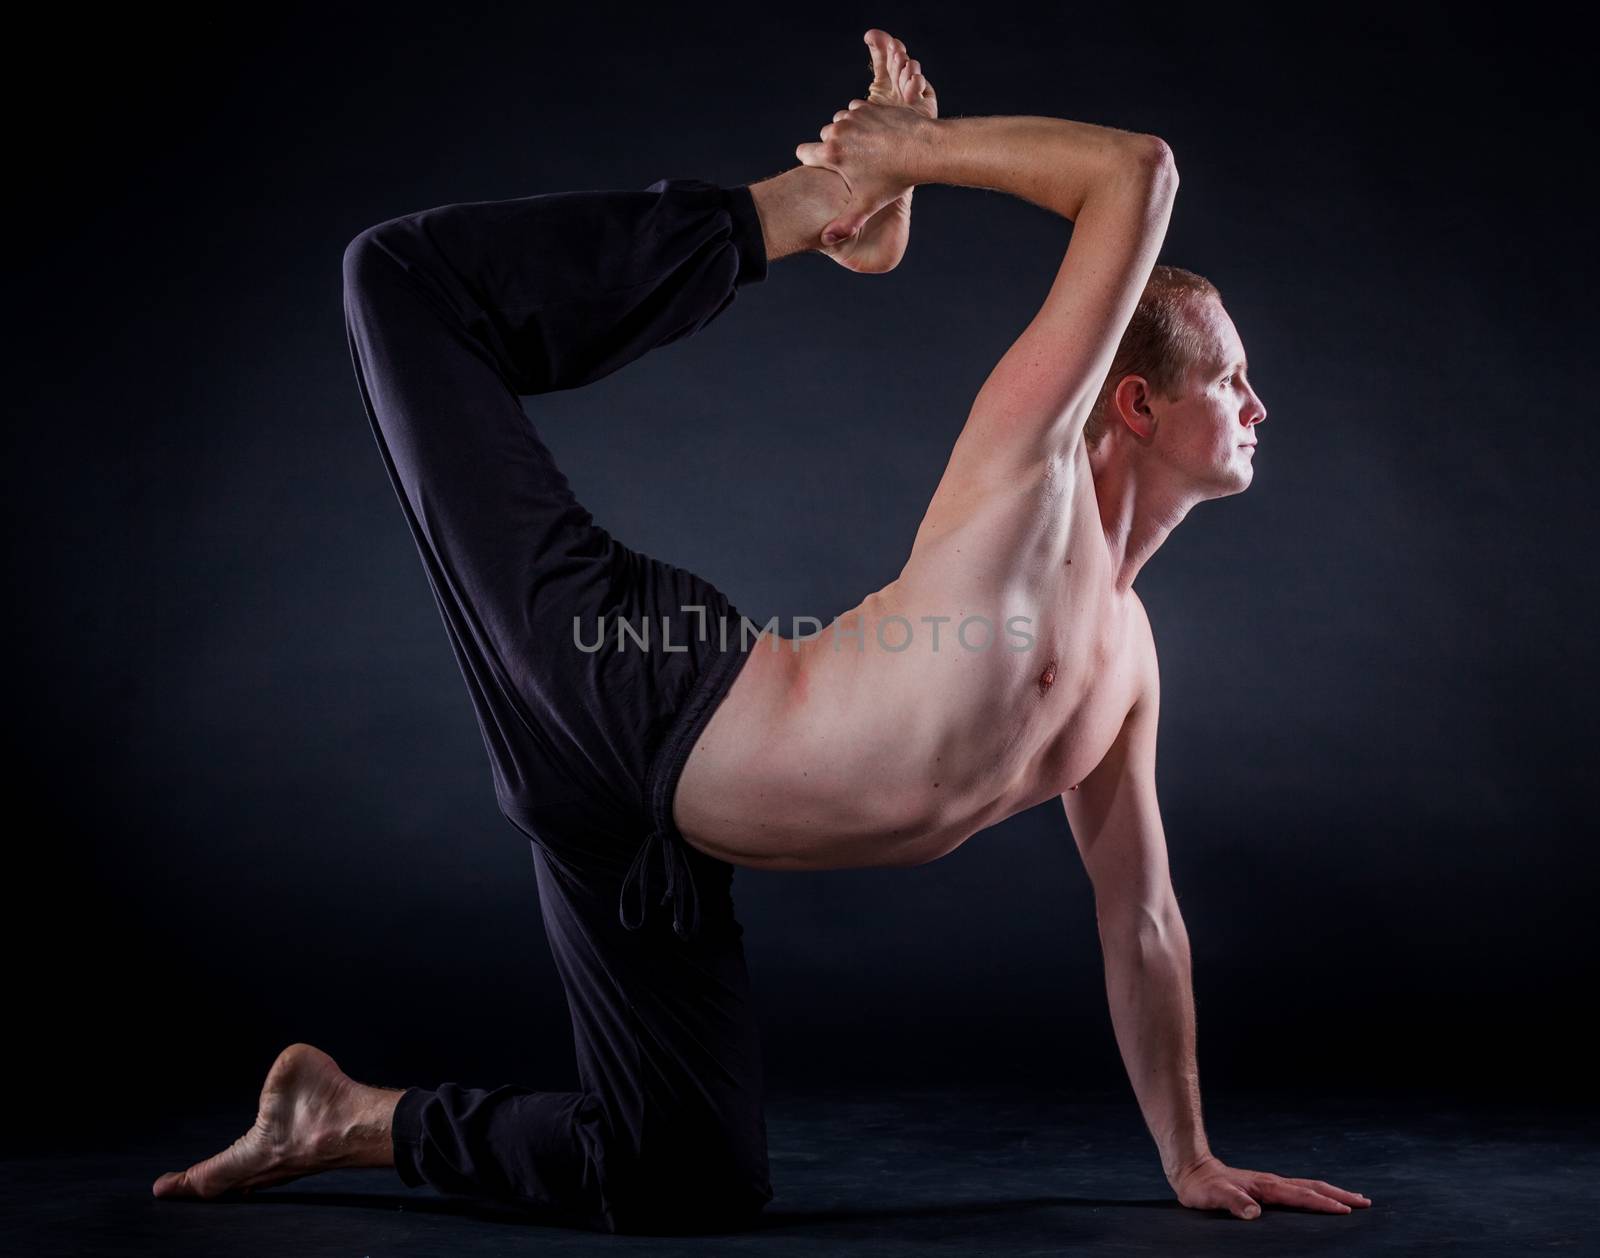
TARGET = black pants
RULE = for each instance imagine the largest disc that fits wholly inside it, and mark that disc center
(453, 314)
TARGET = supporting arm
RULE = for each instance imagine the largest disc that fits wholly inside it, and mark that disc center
(1117, 824)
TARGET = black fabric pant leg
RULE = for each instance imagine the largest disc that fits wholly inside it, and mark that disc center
(453, 314)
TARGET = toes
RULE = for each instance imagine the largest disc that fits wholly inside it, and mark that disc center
(172, 1184)
(187, 1184)
(237, 1166)
(878, 46)
(182, 1184)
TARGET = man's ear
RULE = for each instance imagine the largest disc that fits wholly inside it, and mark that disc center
(1131, 403)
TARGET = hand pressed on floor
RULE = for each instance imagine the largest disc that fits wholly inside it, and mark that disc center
(1213, 1185)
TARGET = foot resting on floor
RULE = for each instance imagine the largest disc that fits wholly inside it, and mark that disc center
(311, 1117)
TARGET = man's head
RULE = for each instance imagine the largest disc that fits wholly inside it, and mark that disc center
(1178, 398)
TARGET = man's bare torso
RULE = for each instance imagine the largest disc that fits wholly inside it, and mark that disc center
(882, 749)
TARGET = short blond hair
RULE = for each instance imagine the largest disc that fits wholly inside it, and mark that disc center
(1160, 343)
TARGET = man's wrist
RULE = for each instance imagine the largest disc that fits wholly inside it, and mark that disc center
(1177, 1163)
(927, 155)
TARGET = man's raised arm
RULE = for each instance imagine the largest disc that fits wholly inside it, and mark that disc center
(1117, 187)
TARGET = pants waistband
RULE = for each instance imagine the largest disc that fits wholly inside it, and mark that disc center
(661, 872)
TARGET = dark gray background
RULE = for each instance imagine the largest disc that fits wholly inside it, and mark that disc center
(252, 805)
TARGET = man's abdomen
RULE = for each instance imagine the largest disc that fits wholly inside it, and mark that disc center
(814, 762)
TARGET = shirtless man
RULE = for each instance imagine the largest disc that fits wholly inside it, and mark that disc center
(1010, 661)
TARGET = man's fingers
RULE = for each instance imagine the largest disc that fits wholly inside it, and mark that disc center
(1220, 1194)
(843, 227)
(1288, 1193)
(811, 154)
(1330, 1190)
(844, 113)
(1241, 1204)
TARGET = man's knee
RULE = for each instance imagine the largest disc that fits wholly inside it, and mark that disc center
(382, 265)
(706, 1178)
(364, 259)
(710, 1202)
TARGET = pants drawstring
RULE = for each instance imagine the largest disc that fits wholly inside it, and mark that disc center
(662, 850)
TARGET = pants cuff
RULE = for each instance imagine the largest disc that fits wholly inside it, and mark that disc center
(405, 1131)
(747, 236)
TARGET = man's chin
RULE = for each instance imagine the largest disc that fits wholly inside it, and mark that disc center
(1231, 481)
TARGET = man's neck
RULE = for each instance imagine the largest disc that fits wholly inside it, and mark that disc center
(1136, 514)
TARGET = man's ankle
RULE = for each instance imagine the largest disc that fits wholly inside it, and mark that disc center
(795, 206)
(366, 1138)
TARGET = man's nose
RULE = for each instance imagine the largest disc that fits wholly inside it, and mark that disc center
(1256, 412)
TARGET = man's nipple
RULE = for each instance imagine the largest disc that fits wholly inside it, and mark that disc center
(1048, 677)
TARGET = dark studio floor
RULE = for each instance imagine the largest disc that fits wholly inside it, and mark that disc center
(914, 1173)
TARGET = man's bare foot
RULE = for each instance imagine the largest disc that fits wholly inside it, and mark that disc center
(897, 79)
(312, 1117)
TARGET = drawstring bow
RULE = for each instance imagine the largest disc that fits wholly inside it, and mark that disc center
(659, 856)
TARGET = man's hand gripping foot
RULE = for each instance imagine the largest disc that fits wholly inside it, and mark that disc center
(871, 235)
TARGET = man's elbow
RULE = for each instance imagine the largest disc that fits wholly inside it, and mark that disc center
(1152, 166)
(1143, 924)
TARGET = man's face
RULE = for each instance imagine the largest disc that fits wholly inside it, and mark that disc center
(1207, 434)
